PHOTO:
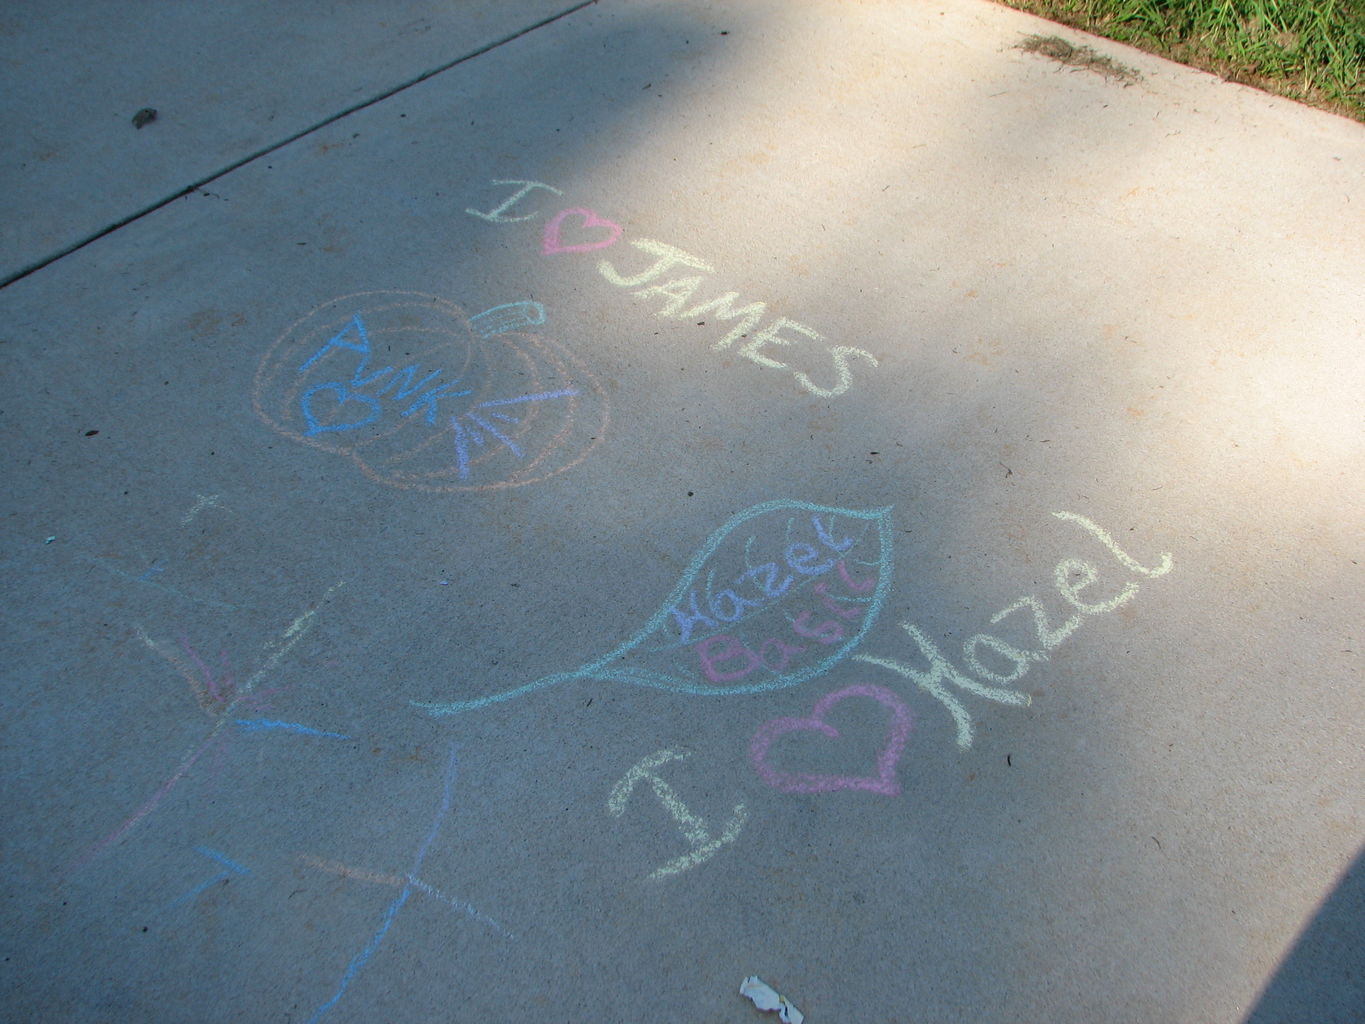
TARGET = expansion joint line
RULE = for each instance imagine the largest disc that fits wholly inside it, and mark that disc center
(47, 261)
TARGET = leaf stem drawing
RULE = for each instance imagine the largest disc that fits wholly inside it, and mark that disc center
(604, 669)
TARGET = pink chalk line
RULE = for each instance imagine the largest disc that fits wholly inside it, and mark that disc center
(274, 650)
(553, 243)
(884, 781)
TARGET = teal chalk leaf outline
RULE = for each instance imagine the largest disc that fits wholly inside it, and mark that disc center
(602, 669)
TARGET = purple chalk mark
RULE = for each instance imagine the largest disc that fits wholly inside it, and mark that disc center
(831, 605)
(497, 433)
(225, 695)
(857, 588)
(151, 803)
(209, 683)
(361, 958)
(463, 436)
(883, 782)
(553, 243)
(461, 448)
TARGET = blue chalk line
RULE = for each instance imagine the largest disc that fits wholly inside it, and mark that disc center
(361, 958)
(262, 724)
(600, 669)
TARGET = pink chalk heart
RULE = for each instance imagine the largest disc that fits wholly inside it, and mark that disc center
(883, 782)
(553, 231)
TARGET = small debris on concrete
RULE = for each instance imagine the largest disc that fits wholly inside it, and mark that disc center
(144, 117)
(1080, 57)
(765, 998)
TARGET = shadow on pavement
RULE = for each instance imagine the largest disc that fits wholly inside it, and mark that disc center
(1323, 977)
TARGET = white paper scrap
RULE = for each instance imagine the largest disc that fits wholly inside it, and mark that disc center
(765, 998)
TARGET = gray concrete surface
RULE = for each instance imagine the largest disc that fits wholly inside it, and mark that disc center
(225, 80)
(356, 515)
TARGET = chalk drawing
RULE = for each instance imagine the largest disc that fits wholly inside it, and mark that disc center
(1070, 589)
(818, 367)
(1128, 562)
(723, 307)
(220, 696)
(694, 829)
(1047, 636)
(511, 316)
(840, 354)
(146, 580)
(1003, 663)
(479, 424)
(233, 868)
(266, 724)
(942, 671)
(725, 629)
(409, 886)
(1020, 661)
(884, 780)
(666, 258)
(552, 240)
(498, 215)
(397, 882)
(680, 291)
(202, 502)
(478, 405)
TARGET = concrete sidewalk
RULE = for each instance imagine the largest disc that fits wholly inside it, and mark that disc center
(686, 491)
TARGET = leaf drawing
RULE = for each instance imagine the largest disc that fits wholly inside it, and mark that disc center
(779, 594)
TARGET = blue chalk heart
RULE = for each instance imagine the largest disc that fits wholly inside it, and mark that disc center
(342, 397)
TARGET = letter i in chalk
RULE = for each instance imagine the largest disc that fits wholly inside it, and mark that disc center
(768, 567)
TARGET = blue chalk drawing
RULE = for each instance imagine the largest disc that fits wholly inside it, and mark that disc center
(464, 436)
(543, 396)
(480, 421)
(146, 579)
(362, 345)
(657, 636)
(398, 385)
(233, 868)
(361, 958)
(343, 395)
(263, 724)
(508, 317)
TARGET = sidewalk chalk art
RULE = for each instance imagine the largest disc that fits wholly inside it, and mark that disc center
(420, 396)
(883, 780)
(784, 749)
(219, 878)
(779, 594)
(1002, 663)
(703, 846)
(407, 885)
(223, 698)
(657, 272)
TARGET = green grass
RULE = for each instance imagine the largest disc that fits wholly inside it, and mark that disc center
(1313, 52)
